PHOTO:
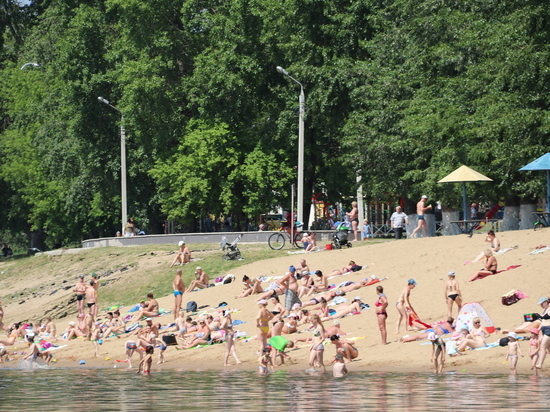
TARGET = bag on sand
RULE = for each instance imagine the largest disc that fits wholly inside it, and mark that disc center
(169, 340)
(191, 306)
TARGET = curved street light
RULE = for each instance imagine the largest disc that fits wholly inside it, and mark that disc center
(302, 100)
(30, 64)
(122, 162)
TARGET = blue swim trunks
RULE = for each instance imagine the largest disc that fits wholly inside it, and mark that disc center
(177, 293)
(420, 217)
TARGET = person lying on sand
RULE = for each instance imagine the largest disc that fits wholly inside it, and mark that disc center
(353, 307)
(439, 329)
(328, 296)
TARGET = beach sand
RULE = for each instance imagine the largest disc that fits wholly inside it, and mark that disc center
(426, 260)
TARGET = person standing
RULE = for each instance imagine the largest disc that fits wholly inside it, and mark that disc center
(353, 216)
(398, 221)
(452, 294)
(80, 290)
(179, 287)
(421, 208)
(91, 299)
(404, 306)
(95, 278)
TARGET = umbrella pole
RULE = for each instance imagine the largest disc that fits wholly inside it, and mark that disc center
(464, 204)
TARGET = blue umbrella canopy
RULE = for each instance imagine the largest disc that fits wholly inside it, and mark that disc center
(542, 163)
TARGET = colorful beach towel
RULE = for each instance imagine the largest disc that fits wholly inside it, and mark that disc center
(497, 272)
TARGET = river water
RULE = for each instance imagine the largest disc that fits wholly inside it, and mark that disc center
(120, 390)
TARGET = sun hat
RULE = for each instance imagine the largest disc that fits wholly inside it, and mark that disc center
(424, 197)
(535, 331)
(292, 269)
(432, 336)
(72, 323)
(81, 276)
(451, 273)
(226, 312)
(358, 298)
(512, 335)
(412, 282)
(542, 300)
(455, 336)
(296, 305)
(293, 315)
(198, 268)
(262, 302)
(181, 242)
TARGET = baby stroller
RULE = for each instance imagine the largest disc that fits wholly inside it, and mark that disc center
(232, 249)
(340, 238)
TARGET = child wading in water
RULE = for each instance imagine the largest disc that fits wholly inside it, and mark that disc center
(339, 369)
(265, 360)
(513, 351)
(438, 351)
(147, 360)
(534, 345)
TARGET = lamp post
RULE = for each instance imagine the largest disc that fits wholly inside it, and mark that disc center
(30, 64)
(300, 194)
(122, 163)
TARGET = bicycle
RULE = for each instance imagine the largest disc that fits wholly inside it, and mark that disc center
(277, 240)
(541, 221)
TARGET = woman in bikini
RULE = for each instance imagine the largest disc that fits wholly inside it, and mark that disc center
(227, 326)
(278, 309)
(490, 266)
(476, 338)
(440, 329)
(251, 287)
(544, 329)
(262, 323)
(354, 306)
(317, 348)
(345, 347)
(381, 313)
(291, 325)
(13, 334)
(452, 294)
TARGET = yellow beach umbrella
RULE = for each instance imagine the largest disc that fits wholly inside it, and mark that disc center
(462, 175)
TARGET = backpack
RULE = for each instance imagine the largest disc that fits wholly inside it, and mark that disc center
(191, 306)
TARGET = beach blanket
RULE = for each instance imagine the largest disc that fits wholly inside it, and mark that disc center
(503, 251)
(497, 272)
(537, 251)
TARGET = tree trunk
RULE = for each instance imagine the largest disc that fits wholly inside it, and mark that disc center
(511, 218)
(37, 240)
(526, 213)
(449, 215)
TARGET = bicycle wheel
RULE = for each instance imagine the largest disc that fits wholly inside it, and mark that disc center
(538, 225)
(298, 241)
(276, 241)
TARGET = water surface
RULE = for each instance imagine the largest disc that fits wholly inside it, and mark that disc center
(120, 390)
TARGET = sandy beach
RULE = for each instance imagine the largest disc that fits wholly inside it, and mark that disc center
(426, 260)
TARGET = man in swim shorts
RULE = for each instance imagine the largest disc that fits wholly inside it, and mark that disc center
(420, 210)
(80, 290)
(291, 293)
(91, 298)
(179, 288)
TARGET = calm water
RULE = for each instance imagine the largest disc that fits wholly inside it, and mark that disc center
(117, 390)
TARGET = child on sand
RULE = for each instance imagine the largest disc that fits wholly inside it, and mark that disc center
(438, 351)
(145, 363)
(513, 351)
(534, 345)
(264, 360)
(339, 369)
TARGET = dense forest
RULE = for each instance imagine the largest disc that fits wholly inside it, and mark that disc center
(400, 92)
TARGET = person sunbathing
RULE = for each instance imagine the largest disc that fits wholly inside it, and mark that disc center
(351, 267)
(439, 329)
(151, 309)
(334, 330)
(328, 296)
(251, 287)
(353, 307)
(490, 266)
(475, 338)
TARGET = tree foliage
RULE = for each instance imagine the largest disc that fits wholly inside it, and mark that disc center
(401, 92)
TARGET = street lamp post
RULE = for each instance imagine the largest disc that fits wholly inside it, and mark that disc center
(122, 163)
(302, 100)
